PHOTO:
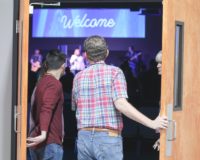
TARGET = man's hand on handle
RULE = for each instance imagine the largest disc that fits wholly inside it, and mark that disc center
(161, 122)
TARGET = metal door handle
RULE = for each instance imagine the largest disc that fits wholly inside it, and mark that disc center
(171, 130)
(16, 115)
(171, 136)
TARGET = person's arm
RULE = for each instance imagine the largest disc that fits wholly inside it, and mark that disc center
(73, 59)
(31, 60)
(119, 94)
(82, 64)
(49, 100)
(128, 110)
(40, 58)
(74, 88)
(33, 141)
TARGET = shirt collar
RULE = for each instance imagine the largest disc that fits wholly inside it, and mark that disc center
(99, 62)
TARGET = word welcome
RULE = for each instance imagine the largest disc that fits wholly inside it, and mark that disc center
(86, 22)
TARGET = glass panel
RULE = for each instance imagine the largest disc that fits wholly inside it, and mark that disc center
(178, 65)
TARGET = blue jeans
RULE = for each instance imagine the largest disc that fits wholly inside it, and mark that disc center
(93, 145)
(49, 152)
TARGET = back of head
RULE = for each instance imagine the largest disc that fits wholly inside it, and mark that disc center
(54, 60)
(96, 48)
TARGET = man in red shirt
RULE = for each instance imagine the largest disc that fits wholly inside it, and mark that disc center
(46, 128)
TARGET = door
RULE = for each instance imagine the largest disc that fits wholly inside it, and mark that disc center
(180, 80)
(20, 108)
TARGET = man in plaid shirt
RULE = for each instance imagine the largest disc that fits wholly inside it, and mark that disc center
(99, 97)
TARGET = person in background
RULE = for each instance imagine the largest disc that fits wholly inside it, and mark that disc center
(67, 80)
(132, 58)
(159, 66)
(99, 96)
(130, 53)
(36, 60)
(76, 62)
(159, 62)
(46, 121)
(86, 62)
(69, 115)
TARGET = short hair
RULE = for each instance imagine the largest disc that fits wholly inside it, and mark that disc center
(55, 59)
(157, 55)
(96, 48)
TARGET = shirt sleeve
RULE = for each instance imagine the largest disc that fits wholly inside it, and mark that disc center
(74, 88)
(49, 102)
(72, 59)
(119, 87)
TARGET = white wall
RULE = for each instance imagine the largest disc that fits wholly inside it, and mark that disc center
(6, 32)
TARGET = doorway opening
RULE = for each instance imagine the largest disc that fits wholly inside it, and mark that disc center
(124, 25)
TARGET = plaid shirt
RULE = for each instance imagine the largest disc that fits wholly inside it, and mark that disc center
(94, 91)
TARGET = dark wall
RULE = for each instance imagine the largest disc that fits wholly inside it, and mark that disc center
(118, 46)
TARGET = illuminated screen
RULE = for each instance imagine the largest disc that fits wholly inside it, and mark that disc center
(112, 23)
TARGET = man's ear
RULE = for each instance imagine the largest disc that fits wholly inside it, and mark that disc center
(63, 66)
(86, 55)
(107, 53)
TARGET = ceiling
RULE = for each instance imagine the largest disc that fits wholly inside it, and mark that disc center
(132, 4)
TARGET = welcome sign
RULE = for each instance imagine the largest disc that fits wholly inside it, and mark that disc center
(116, 23)
(85, 22)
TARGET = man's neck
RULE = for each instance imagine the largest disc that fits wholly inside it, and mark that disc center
(54, 73)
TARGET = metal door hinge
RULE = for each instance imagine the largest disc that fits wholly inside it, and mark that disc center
(17, 26)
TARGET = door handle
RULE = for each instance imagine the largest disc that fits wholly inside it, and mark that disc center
(171, 133)
(171, 130)
(16, 116)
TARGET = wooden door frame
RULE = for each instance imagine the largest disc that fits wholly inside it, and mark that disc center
(21, 11)
(20, 47)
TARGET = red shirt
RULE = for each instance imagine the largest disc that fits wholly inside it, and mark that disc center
(47, 109)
